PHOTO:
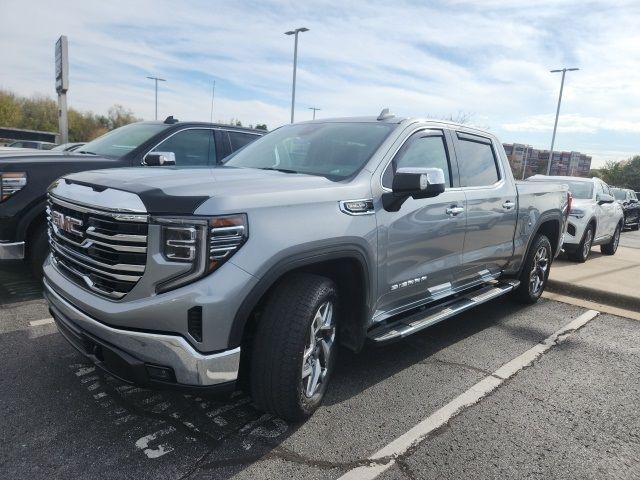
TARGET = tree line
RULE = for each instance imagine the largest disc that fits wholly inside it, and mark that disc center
(40, 112)
(623, 173)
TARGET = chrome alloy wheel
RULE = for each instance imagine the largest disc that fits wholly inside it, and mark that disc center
(318, 350)
(586, 248)
(616, 238)
(539, 271)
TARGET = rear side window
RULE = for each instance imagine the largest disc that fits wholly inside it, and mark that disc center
(238, 140)
(476, 161)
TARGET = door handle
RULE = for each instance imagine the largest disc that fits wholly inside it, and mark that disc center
(508, 205)
(453, 210)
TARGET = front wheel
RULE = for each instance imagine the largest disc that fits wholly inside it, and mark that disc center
(294, 347)
(535, 271)
(611, 247)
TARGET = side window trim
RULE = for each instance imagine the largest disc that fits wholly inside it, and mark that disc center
(421, 133)
(470, 137)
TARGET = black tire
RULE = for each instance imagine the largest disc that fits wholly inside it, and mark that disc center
(636, 227)
(611, 247)
(282, 342)
(582, 252)
(538, 263)
(37, 249)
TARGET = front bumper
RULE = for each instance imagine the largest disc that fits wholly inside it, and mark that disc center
(11, 251)
(136, 357)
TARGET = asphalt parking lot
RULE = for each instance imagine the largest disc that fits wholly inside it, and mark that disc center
(571, 412)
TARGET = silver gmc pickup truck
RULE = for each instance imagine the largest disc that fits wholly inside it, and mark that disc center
(332, 232)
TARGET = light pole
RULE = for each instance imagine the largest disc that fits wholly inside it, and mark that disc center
(524, 167)
(295, 64)
(555, 126)
(157, 80)
(315, 109)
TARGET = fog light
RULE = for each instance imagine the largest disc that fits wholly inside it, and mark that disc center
(164, 374)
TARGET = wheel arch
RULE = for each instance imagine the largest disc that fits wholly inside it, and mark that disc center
(348, 267)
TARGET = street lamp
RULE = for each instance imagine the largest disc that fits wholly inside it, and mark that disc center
(295, 64)
(315, 109)
(555, 126)
(157, 80)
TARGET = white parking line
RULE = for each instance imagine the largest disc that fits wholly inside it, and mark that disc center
(386, 457)
(37, 323)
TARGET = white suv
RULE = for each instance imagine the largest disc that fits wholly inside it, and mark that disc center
(595, 217)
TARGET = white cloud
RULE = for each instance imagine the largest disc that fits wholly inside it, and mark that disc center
(490, 58)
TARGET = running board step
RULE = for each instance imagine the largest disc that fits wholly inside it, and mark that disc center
(405, 326)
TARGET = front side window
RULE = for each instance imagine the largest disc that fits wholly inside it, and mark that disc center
(423, 151)
(477, 162)
(335, 150)
(192, 148)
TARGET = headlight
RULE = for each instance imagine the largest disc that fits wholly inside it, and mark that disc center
(203, 243)
(10, 183)
(576, 212)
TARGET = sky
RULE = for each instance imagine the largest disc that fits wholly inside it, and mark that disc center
(487, 60)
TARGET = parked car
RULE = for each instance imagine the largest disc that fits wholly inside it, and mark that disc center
(595, 217)
(68, 147)
(345, 230)
(25, 176)
(37, 145)
(630, 206)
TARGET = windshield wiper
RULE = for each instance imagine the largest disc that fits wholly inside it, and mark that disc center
(283, 170)
(86, 151)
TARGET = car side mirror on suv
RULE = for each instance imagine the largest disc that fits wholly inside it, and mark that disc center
(602, 198)
(159, 159)
(413, 182)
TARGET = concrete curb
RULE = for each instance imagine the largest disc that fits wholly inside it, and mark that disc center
(595, 295)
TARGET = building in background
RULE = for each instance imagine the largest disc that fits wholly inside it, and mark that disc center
(526, 161)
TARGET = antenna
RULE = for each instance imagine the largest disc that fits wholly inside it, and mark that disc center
(384, 114)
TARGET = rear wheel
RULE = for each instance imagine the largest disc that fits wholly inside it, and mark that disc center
(611, 247)
(535, 271)
(294, 347)
(582, 252)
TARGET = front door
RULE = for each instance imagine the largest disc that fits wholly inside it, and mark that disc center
(420, 245)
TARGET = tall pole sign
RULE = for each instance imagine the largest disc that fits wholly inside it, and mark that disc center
(62, 85)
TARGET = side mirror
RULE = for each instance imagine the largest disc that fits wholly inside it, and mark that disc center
(413, 182)
(602, 198)
(159, 159)
(418, 182)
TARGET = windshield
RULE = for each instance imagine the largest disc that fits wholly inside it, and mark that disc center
(333, 150)
(121, 141)
(619, 194)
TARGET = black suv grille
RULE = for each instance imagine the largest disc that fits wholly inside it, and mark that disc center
(98, 249)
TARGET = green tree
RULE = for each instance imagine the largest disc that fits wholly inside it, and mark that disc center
(261, 126)
(623, 173)
(39, 113)
(10, 110)
(119, 116)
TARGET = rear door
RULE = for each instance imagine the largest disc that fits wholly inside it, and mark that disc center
(491, 202)
(420, 244)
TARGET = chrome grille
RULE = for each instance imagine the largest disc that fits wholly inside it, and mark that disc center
(99, 249)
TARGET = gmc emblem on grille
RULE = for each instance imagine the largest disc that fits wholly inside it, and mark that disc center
(66, 223)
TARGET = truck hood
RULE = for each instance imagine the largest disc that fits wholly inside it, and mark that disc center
(27, 157)
(182, 190)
